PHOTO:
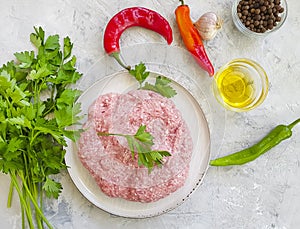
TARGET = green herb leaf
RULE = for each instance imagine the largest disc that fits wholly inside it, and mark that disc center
(12, 150)
(139, 72)
(158, 156)
(52, 43)
(141, 143)
(40, 34)
(52, 188)
(74, 135)
(42, 72)
(67, 48)
(65, 77)
(37, 105)
(11, 166)
(67, 98)
(25, 58)
(49, 129)
(161, 86)
(35, 40)
(144, 136)
(67, 116)
(70, 65)
(20, 121)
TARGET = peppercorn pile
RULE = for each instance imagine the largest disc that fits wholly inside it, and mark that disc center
(260, 15)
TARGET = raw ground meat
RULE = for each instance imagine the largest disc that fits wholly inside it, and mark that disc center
(108, 158)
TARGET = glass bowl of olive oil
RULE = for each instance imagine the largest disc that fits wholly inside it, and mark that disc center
(241, 85)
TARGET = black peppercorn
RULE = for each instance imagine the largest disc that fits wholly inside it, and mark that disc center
(263, 8)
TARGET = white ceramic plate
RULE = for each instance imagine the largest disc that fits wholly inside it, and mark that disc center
(122, 82)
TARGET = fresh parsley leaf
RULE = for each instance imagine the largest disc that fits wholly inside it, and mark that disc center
(158, 156)
(68, 115)
(5, 84)
(35, 40)
(67, 98)
(25, 58)
(139, 72)
(52, 56)
(49, 127)
(74, 135)
(52, 188)
(13, 148)
(54, 159)
(29, 112)
(11, 166)
(20, 121)
(39, 33)
(67, 48)
(130, 141)
(70, 65)
(52, 43)
(161, 86)
(42, 72)
(141, 143)
(54, 59)
(143, 136)
(65, 77)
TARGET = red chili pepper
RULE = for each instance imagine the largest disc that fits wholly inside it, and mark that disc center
(192, 38)
(134, 16)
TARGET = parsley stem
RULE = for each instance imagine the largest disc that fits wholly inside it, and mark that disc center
(34, 137)
(33, 201)
(41, 194)
(109, 134)
(33, 188)
(50, 109)
(22, 200)
(25, 196)
(23, 216)
(10, 194)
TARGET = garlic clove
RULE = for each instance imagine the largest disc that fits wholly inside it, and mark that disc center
(208, 25)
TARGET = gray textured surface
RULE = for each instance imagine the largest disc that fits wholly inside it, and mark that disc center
(261, 194)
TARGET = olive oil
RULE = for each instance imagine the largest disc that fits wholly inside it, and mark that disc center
(236, 87)
(240, 85)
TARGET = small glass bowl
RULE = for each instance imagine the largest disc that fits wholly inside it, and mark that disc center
(249, 33)
(240, 85)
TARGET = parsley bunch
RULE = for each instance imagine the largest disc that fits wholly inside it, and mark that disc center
(36, 106)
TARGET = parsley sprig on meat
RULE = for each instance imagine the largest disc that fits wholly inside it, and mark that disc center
(36, 106)
(161, 85)
(141, 143)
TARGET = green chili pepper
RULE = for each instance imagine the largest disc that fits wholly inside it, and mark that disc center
(277, 135)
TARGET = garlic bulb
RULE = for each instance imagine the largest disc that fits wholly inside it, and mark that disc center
(208, 25)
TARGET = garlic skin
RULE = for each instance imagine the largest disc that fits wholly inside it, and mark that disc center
(208, 25)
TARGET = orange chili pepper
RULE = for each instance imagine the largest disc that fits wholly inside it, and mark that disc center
(192, 38)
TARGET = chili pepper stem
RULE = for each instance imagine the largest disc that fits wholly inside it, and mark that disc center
(294, 123)
(117, 57)
(182, 2)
